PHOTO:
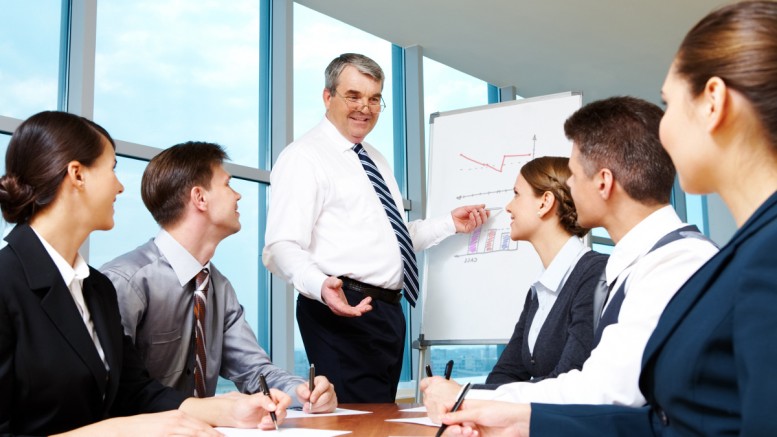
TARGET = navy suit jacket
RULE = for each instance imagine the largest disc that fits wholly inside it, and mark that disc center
(51, 376)
(710, 367)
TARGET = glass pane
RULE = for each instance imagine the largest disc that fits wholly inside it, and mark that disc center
(471, 363)
(29, 49)
(600, 232)
(238, 257)
(5, 228)
(603, 248)
(133, 223)
(169, 71)
(317, 40)
(446, 89)
(696, 207)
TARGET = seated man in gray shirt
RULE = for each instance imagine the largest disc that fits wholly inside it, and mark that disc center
(181, 312)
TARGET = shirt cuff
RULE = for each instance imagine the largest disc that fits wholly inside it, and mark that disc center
(310, 284)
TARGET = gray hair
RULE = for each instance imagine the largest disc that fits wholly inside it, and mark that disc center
(362, 63)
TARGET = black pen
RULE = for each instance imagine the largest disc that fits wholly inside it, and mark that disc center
(429, 370)
(448, 369)
(459, 401)
(266, 392)
(311, 386)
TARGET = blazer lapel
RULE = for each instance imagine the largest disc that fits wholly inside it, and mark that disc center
(56, 301)
(695, 287)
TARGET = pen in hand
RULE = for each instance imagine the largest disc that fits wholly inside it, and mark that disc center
(311, 386)
(266, 392)
(448, 369)
(459, 401)
(429, 370)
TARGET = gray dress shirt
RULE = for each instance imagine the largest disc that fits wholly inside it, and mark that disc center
(156, 307)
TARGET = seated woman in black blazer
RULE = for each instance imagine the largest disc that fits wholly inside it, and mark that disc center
(65, 364)
(554, 333)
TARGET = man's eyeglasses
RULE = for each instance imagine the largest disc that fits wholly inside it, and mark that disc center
(375, 104)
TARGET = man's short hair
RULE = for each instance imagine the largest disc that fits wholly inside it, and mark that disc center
(170, 176)
(361, 63)
(621, 134)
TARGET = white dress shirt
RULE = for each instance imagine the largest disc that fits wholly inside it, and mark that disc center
(74, 279)
(551, 281)
(611, 373)
(325, 218)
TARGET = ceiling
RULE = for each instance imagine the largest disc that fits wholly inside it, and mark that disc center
(600, 47)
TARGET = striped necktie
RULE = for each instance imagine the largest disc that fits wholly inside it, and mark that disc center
(409, 266)
(200, 360)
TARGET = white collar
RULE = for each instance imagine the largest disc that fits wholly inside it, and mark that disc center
(183, 263)
(80, 271)
(562, 263)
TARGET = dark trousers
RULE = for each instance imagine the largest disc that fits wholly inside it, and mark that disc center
(361, 356)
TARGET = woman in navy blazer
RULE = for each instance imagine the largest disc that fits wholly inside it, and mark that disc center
(544, 214)
(708, 368)
(65, 364)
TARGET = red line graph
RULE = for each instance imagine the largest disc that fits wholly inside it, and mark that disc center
(501, 166)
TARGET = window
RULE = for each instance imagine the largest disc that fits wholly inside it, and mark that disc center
(170, 71)
(133, 224)
(447, 89)
(29, 48)
(696, 210)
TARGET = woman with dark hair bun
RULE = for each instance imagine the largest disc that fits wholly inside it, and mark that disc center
(554, 333)
(65, 364)
(708, 369)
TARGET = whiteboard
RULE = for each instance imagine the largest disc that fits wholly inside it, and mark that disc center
(475, 284)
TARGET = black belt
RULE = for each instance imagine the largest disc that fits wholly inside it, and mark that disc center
(383, 294)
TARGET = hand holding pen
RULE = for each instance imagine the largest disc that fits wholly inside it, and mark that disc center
(318, 393)
(266, 392)
(311, 381)
(459, 401)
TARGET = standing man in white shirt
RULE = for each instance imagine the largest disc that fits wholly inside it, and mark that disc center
(621, 180)
(335, 230)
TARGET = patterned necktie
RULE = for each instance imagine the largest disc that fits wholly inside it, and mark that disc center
(601, 292)
(409, 266)
(200, 361)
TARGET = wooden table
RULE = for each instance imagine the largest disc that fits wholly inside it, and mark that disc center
(369, 425)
